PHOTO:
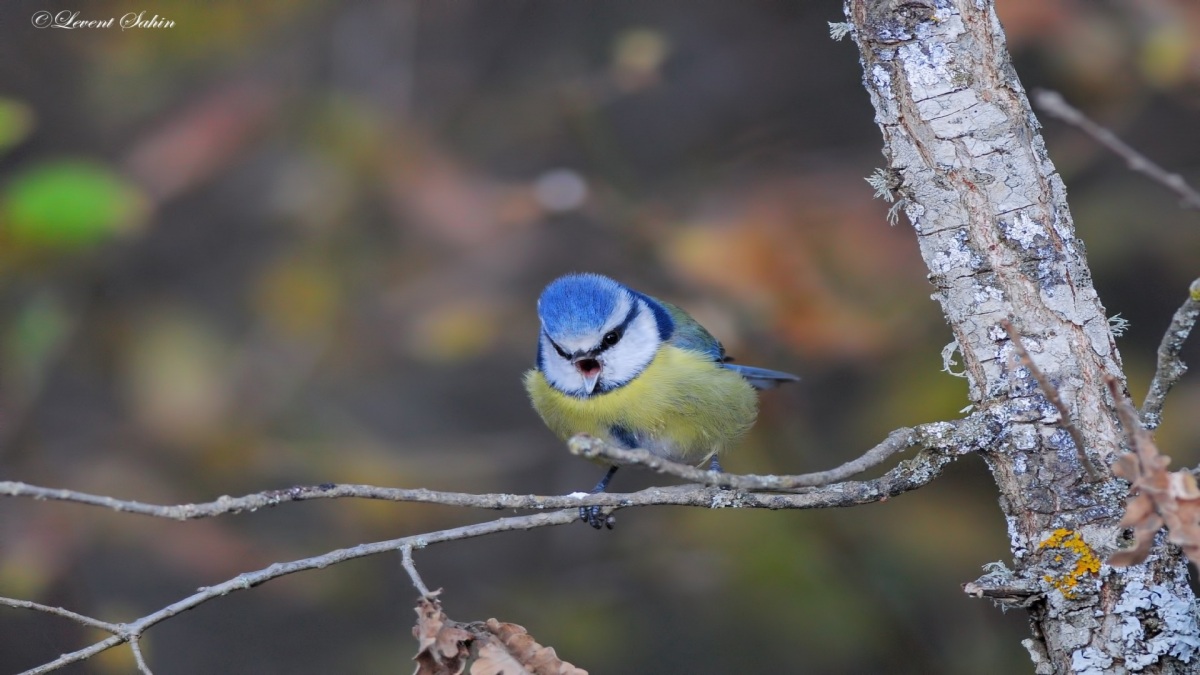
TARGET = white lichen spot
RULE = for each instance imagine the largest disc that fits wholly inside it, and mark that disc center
(986, 298)
(882, 80)
(1037, 654)
(958, 257)
(1090, 661)
(1017, 541)
(984, 294)
(915, 212)
(1177, 632)
(1066, 233)
(944, 13)
(1023, 230)
(1024, 436)
(725, 499)
(1019, 464)
(928, 66)
(578, 495)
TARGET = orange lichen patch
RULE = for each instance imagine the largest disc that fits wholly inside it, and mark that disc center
(1086, 560)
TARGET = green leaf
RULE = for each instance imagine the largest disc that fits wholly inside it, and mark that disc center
(69, 204)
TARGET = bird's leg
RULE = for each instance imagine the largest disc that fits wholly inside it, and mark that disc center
(714, 465)
(592, 514)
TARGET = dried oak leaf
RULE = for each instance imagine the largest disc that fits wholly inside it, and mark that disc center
(1140, 511)
(1161, 498)
(1183, 521)
(533, 657)
(442, 646)
(494, 659)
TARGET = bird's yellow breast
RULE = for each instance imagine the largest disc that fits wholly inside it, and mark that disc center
(682, 406)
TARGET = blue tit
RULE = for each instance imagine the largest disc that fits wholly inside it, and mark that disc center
(639, 373)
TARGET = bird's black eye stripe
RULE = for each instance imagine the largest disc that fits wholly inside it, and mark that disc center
(557, 348)
(614, 336)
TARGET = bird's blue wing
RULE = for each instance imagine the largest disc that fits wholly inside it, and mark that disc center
(688, 334)
(761, 378)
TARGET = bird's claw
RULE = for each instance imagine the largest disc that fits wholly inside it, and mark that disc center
(595, 516)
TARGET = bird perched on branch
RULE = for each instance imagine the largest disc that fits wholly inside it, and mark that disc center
(639, 373)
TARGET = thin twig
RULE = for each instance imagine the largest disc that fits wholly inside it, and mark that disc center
(900, 439)
(936, 434)
(1140, 441)
(943, 443)
(908, 475)
(1051, 393)
(136, 646)
(77, 656)
(64, 613)
(409, 566)
(133, 630)
(1170, 366)
(1052, 103)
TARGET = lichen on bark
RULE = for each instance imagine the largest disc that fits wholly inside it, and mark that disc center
(992, 222)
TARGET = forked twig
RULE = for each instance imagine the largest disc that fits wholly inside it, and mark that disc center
(406, 559)
(1170, 367)
(941, 443)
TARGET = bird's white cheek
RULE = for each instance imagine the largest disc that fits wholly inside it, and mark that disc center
(633, 353)
(560, 373)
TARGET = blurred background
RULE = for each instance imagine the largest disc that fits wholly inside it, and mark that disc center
(294, 242)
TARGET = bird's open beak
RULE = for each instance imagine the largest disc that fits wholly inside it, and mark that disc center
(589, 368)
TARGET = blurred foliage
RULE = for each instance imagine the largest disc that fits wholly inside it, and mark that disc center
(16, 122)
(67, 205)
(299, 242)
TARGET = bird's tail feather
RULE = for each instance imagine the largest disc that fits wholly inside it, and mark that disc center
(761, 378)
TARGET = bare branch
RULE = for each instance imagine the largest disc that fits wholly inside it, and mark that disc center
(77, 656)
(138, 658)
(900, 439)
(1052, 103)
(65, 613)
(411, 568)
(943, 435)
(1008, 593)
(908, 475)
(941, 443)
(131, 631)
(1170, 366)
(1051, 393)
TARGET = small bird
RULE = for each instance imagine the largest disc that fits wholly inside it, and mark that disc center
(639, 373)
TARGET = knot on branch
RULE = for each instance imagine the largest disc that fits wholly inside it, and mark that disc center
(1004, 588)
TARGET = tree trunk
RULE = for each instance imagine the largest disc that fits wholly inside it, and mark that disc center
(991, 217)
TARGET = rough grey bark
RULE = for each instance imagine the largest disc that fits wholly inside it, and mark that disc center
(991, 217)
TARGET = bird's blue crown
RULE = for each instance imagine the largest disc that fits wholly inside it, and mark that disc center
(577, 304)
